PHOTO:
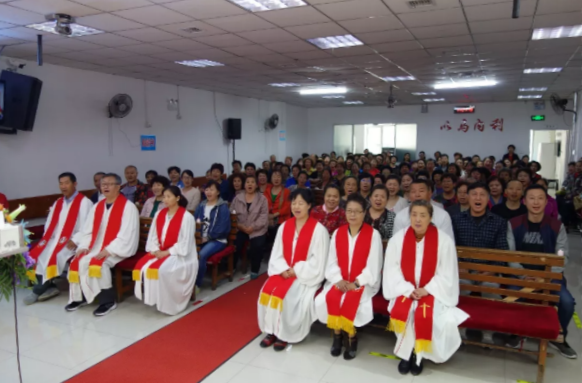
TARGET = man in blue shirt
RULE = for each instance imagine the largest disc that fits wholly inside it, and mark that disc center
(293, 179)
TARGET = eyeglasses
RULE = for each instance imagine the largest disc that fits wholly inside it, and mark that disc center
(109, 183)
(354, 212)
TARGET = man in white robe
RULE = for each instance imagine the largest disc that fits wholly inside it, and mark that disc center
(293, 322)
(54, 251)
(422, 190)
(93, 248)
(172, 290)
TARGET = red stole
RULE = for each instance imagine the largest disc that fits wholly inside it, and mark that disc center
(171, 239)
(341, 316)
(70, 223)
(424, 311)
(276, 287)
(111, 232)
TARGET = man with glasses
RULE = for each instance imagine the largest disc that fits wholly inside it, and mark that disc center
(110, 234)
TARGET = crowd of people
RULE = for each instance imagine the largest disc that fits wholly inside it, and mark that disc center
(423, 208)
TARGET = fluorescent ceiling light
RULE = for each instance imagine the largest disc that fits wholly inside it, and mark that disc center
(284, 84)
(464, 84)
(353, 103)
(423, 93)
(542, 70)
(399, 78)
(433, 99)
(267, 5)
(332, 42)
(557, 33)
(528, 96)
(77, 30)
(533, 89)
(331, 97)
(199, 63)
(328, 90)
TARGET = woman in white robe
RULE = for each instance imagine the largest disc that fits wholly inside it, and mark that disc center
(172, 290)
(291, 320)
(444, 287)
(369, 279)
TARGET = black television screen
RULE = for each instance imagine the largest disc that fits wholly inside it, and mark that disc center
(21, 97)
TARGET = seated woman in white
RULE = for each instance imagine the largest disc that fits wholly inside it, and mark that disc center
(169, 269)
(353, 276)
(296, 271)
(421, 281)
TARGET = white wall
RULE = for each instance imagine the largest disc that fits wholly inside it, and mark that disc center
(71, 132)
(516, 115)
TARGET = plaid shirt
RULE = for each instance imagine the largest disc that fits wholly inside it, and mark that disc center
(384, 224)
(490, 233)
(142, 192)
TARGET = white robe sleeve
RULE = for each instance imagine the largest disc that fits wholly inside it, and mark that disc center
(152, 244)
(277, 263)
(402, 221)
(444, 286)
(311, 272)
(50, 217)
(371, 273)
(185, 242)
(446, 225)
(87, 230)
(84, 213)
(333, 273)
(393, 284)
(125, 245)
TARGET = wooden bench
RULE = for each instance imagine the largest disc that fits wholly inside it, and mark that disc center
(528, 312)
(318, 196)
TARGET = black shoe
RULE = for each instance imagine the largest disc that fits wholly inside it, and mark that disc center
(104, 309)
(351, 349)
(336, 347)
(280, 345)
(75, 306)
(268, 341)
(404, 366)
(415, 369)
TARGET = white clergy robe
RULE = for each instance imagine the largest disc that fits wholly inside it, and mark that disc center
(370, 278)
(65, 254)
(124, 246)
(444, 286)
(440, 218)
(293, 323)
(172, 290)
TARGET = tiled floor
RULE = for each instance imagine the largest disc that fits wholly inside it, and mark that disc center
(55, 345)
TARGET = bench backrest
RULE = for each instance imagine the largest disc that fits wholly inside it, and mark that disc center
(318, 196)
(144, 230)
(231, 235)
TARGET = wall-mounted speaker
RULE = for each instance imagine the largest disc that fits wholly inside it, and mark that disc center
(233, 128)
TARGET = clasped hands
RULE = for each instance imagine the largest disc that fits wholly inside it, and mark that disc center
(418, 294)
(102, 254)
(160, 254)
(289, 274)
(345, 286)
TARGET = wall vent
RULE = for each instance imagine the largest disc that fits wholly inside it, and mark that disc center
(420, 3)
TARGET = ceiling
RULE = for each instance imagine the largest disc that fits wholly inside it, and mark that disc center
(433, 43)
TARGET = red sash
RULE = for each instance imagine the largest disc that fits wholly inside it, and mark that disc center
(276, 287)
(171, 239)
(424, 312)
(341, 316)
(111, 232)
(70, 223)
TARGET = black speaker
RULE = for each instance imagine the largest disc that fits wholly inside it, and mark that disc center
(21, 96)
(233, 128)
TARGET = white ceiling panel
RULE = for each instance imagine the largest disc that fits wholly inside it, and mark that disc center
(501, 25)
(211, 54)
(317, 30)
(72, 44)
(426, 19)
(108, 22)
(206, 9)
(375, 24)
(148, 35)
(485, 38)
(499, 11)
(108, 39)
(249, 50)
(114, 5)
(290, 46)
(385, 37)
(355, 9)
(399, 6)
(153, 15)
(223, 41)
(190, 29)
(240, 23)
(183, 45)
(558, 6)
(19, 16)
(28, 34)
(446, 41)
(52, 6)
(557, 20)
(397, 47)
(440, 31)
(309, 55)
(290, 17)
(268, 36)
(145, 49)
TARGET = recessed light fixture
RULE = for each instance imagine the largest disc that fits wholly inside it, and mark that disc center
(267, 5)
(76, 30)
(423, 93)
(533, 89)
(332, 42)
(464, 84)
(542, 70)
(199, 63)
(353, 103)
(328, 90)
(283, 84)
(557, 33)
(433, 99)
(528, 96)
(332, 97)
(399, 78)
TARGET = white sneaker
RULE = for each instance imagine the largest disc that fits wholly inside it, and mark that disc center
(30, 299)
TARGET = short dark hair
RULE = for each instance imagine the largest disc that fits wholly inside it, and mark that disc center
(211, 183)
(381, 176)
(450, 176)
(511, 146)
(151, 172)
(296, 166)
(71, 176)
(478, 185)
(174, 168)
(217, 166)
(422, 151)
(182, 202)
(285, 166)
(427, 205)
(232, 177)
(357, 198)
(236, 162)
(250, 164)
(572, 163)
(365, 175)
(524, 170)
(303, 172)
(306, 194)
(165, 182)
(496, 178)
(444, 155)
(189, 172)
(535, 187)
(424, 182)
(537, 163)
(393, 177)
(380, 187)
(333, 186)
(102, 173)
(304, 155)
(424, 173)
(437, 171)
(461, 184)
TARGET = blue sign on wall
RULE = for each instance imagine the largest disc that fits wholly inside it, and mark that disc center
(148, 143)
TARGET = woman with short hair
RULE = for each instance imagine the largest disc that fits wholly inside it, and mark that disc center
(377, 215)
(330, 214)
(236, 183)
(191, 193)
(350, 186)
(395, 202)
(263, 180)
(155, 203)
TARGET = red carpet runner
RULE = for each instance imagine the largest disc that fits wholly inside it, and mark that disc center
(189, 349)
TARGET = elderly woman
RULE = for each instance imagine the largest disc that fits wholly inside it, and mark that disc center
(330, 214)
(395, 203)
(377, 215)
(155, 203)
(353, 276)
(302, 182)
(366, 181)
(189, 192)
(496, 190)
(236, 183)
(421, 281)
(252, 211)
(326, 178)
(405, 183)
(278, 201)
(263, 180)
(524, 176)
(350, 186)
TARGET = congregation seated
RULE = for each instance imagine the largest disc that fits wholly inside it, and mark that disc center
(190, 193)
(278, 201)
(405, 185)
(302, 180)
(512, 207)
(155, 203)
(216, 172)
(236, 167)
(395, 202)
(326, 178)
(165, 276)
(263, 180)
(149, 176)
(174, 174)
(496, 190)
(214, 218)
(97, 196)
(551, 205)
(365, 185)
(134, 190)
(236, 183)
(350, 186)
(330, 214)
(250, 169)
(285, 174)
(377, 215)
(447, 197)
(462, 198)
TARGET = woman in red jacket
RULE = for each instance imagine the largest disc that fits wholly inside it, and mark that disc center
(278, 198)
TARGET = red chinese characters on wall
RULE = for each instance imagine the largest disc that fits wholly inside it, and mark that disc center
(464, 126)
(479, 125)
(446, 126)
(496, 124)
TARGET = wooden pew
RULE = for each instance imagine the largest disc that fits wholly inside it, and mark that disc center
(318, 195)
